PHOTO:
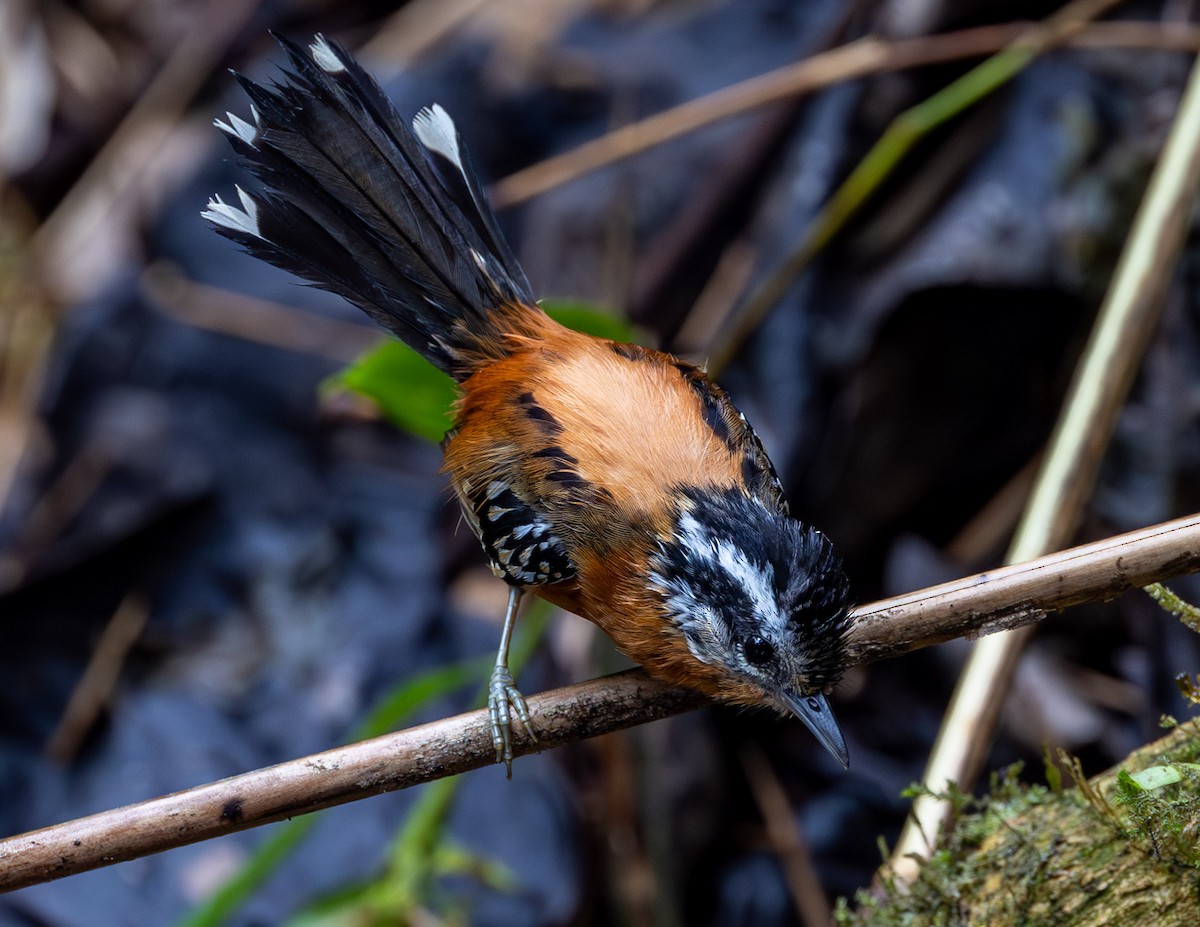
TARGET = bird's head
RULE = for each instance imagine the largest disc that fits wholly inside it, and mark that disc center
(761, 599)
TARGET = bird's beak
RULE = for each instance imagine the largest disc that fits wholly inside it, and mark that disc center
(815, 712)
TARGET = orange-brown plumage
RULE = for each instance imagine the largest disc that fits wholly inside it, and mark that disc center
(641, 429)
(610, 479)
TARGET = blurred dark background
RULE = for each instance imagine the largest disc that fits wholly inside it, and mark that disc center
(240, 568)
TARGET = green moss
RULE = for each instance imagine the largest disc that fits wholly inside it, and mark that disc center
(1124, 846)
(949, 879)
(1161, 807)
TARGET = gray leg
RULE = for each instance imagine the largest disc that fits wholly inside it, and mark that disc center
(503, 693)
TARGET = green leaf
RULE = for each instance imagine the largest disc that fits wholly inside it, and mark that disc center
(585, 317)
(1129, 790)
(219, 907)
(1155, 777)
(405, 699)
(416, 397)
(411, 393)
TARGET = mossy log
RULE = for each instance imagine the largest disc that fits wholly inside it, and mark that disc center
(1120, 848)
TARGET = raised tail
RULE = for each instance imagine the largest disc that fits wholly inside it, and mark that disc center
(394, 220)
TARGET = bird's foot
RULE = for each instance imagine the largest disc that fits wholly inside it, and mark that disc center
(505, 700)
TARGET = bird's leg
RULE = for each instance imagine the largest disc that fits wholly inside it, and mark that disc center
(503, 693)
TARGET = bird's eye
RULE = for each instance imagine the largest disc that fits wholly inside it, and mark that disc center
(758, 650)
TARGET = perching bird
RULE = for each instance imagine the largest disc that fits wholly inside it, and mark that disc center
(617, 482)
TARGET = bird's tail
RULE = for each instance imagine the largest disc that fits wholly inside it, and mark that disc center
(394, 220)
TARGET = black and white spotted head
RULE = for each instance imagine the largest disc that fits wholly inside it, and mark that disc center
(762, 598)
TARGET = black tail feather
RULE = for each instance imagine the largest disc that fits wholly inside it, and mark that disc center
(356, 203)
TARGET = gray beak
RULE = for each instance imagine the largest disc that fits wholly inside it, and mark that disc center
(815, 712)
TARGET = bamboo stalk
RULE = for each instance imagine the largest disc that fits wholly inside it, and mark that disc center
(1123, 329)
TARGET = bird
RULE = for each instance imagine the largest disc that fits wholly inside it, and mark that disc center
(615, 481)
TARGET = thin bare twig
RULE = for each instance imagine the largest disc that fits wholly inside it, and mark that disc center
(62, 500)
(851, 61)
(897, 141)
(95, 686)
(26, 333)
(786, 839)
(65, 243)
(976, 605)
(416, 27)
(260, 321)
(54, 266)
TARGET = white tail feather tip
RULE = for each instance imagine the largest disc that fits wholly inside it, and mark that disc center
(435, 130)
(230, 217)
(325, 57)
(239, 127)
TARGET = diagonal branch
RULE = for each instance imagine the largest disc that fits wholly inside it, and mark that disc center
(981, 604)
(861, 58)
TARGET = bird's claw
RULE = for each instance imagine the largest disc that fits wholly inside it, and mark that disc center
(504, 699)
